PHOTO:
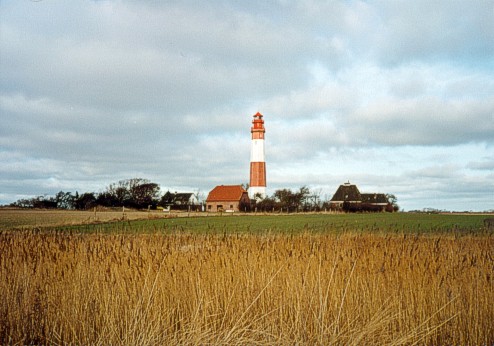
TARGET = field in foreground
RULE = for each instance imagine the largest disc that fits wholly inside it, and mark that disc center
(141, 221)
(162, 287)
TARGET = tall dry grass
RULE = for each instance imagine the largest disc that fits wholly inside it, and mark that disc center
(59, 288)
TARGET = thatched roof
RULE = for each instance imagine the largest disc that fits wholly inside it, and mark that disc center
(374, 198)
(347, 193)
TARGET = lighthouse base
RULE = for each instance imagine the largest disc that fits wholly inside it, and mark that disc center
(257, 192)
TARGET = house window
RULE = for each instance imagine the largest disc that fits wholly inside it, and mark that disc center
(209, 207)
(231, 206)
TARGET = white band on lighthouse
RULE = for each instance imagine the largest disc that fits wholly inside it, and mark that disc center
(257, 150)
(255, 191)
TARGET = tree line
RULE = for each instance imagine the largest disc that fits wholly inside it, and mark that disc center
(139, 193)
(135, 193)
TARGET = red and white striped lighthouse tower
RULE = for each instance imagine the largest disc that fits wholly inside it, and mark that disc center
(257, 185)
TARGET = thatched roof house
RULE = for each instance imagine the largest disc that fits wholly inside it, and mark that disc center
(349, 196)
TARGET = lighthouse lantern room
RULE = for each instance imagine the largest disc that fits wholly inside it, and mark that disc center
(257, 187)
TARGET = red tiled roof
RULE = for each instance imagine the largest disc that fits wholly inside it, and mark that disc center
(226, 193)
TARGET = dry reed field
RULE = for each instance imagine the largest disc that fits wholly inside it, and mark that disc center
(188, 288)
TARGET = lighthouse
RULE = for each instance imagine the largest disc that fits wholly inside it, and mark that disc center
(257, 185)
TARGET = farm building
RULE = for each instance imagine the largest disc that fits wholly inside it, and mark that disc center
(179, 200)
(228, 198)
(348, 196)
(376, 199)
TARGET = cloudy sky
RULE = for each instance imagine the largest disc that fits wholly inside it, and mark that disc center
(394, 96)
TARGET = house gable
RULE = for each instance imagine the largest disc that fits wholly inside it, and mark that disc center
(182, 200)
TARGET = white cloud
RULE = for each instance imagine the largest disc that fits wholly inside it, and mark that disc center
(95, 92)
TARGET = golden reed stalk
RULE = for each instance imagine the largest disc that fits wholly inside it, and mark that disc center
(350, 289)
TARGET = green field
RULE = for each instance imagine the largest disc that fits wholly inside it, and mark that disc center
(249, 223)
(318, 223)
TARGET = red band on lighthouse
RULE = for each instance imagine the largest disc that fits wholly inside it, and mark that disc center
(258, 173)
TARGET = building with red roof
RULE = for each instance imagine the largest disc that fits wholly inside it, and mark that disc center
(228, 198)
